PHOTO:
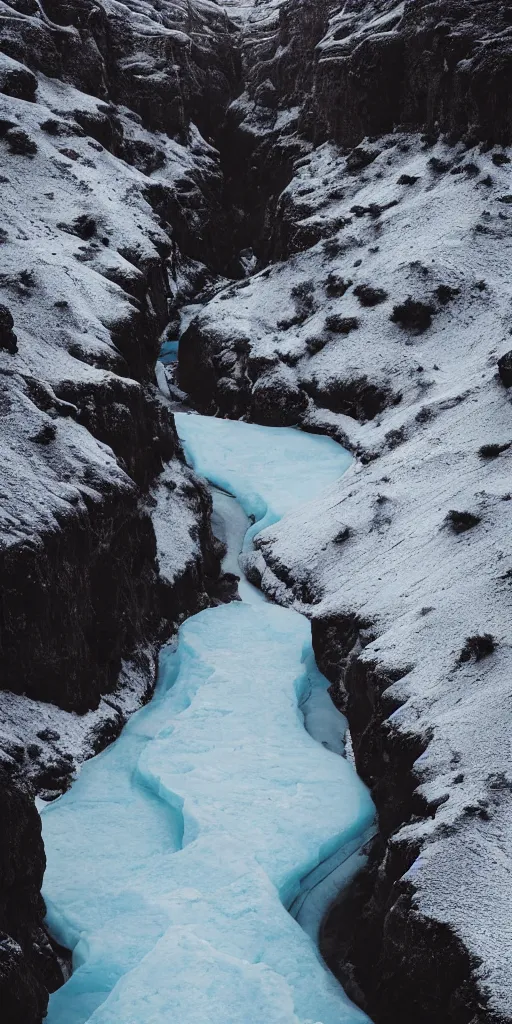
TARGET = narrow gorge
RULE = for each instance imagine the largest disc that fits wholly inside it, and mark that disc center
(300, 213)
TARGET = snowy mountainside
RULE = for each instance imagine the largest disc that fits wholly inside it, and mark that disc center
(85, 279)
(356, 237)
(111, 205)
(356, 157)
(383, 317)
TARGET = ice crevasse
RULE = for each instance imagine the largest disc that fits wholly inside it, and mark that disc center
(176, 853)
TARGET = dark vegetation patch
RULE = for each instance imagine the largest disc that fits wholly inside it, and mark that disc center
(336, 286)
(303, 295)
(341, 324)
(83, 227)
(333, 247)
(478, 647)
(491, 451)
(316, 344)
(413, 315)
(396, 437)
(370, 296)
(425, 414)
(462, 521)
(445, 293)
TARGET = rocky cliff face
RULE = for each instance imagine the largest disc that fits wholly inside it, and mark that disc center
(380, 313)
(439, 66)
(28, 967)
(353, 158)
(111, 205)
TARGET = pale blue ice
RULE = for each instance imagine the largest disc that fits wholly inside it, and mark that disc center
(168, 352)
(270, 470)
(176, 853)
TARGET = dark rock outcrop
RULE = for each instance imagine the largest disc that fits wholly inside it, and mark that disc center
(434, 66)
(8, 339)
(373, 931)
(73, 605)
(276, 400)
(89, 280)
(28, 967)
(357, 397)
(505, 369)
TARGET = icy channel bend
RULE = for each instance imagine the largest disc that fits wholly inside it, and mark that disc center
(174, 856)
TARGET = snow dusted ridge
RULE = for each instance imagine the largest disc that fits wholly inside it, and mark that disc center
(405, 566)
(378, 312)
(110, 201)
(382, 320)
(174, 855)
(119, 195)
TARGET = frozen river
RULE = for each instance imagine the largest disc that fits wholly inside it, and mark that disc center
(190, 863)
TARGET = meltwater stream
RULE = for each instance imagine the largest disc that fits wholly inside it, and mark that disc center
(176, 853)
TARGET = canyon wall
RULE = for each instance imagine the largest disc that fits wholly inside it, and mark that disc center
(354, 157)
(111, 204)
(376, 141)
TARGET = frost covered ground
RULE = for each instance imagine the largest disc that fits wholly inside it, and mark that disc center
(311, 339)
(82, 423)
(174, 855)
(413, 544)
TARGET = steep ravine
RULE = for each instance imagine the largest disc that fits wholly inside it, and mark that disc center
(128, 213)
(244, 806)
(379, 314)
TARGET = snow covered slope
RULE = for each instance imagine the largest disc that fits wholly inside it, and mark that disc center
(409, 555)
(384, 319)
(118, 197)
(109, 193)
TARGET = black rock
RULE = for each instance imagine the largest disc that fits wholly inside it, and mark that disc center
(361, 157)
(462, 521)
(20, 142)
(505, 369)
(413, 315)
(17, 81)
(28, 968)
(8, 339)
(370, 296)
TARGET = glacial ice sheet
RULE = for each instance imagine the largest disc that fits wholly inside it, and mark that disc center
(173, 858)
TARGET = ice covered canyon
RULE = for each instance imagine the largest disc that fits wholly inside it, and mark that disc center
(311, 200)
(174, 858)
